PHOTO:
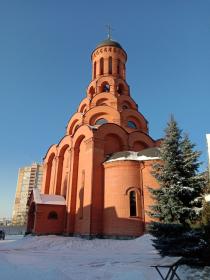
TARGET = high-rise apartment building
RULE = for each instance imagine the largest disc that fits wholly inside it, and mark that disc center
(29, 177)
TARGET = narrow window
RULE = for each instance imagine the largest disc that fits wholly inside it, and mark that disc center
(110, 65)
(52, 216)
(133, 211)
(94, 70)
(106, 88)
(118, 66)
(123, 70)
(120, 89)
(131, 124)
(101, 66)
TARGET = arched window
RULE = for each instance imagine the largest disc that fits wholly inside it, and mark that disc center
(110, 65)
(131, 124)
(52, 215)
(124, 107)
(118, 66)
(132, 198)
(101, 121)
(106, 88)
(120, 88)
(94, 70)
(101, 66)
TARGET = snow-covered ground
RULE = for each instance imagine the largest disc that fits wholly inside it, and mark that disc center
(62, 258)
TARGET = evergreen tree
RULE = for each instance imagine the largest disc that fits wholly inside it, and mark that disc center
(194, 182)
(179, 197)
(206, 214)
(168, 208)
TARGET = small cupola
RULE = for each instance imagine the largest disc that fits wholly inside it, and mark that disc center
(108, 58)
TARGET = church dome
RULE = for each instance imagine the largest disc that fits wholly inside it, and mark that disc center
(109, 42)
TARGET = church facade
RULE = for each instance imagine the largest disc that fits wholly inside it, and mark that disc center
(96, 179)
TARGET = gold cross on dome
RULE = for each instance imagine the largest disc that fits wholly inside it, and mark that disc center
(109, 30)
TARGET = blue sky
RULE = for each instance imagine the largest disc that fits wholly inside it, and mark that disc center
(45, 48)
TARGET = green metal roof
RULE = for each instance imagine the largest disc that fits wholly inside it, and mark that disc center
(109, 42)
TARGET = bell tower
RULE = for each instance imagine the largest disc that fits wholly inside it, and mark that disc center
(108, 61)
(109, 89)
(108, 58)
(108, 98)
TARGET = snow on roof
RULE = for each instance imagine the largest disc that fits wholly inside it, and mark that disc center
(133, 157)
(93, 127)
(53, 199)
(47, 198)
(146, 154)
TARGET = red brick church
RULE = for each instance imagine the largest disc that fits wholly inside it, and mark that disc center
(96, 178)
